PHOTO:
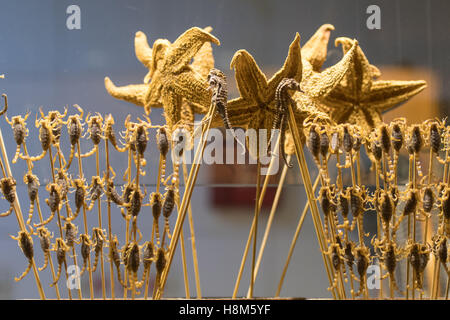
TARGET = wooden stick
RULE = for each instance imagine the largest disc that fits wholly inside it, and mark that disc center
(430, 173)
(194, 247)
(18, 213)
(176, 169)
(414, 219)
(309, 192)
(86, 230)
(108, 201)
(330, 219)
(58, 215)
(127, 234)
(272, 213)
(158, 183)
(97, 165)
(294, 240)
(185, 271)
(41, 219)
(447, 288)
(252, 228)
(186, 198)
(68, 214)
(258, 190)
(377, 183)
(409, 234)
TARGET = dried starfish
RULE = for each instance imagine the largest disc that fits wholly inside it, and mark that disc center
(256, 107)
(170, 77)
(358, 99)
(315, 50)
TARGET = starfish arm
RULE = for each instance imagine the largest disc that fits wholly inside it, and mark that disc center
(292, 67)
(153, 94)
(159, 52)
(321, 84)
(198, 108)
(376, 73)
(360, 76)
(305, 107)
(186, 47)
(172, 107)
(367, 119)
(191, 86)
(338, 98)
(315, 50)
(142, 49)
(385, 95)
(134, 93)
(204, 60)
(187, 113)
(240, 112)
(251, 82)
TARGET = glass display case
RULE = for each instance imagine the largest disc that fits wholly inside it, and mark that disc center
(324, 175)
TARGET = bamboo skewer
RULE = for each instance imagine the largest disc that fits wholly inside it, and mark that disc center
(108, 201)
(185, 272)
(414, 221)
(271, 215)
(58, 216)
(186, 198)
(309, 192)
(409, 234)
(127, 222)
(183, 252)
(294, 241)
(257, 210)
(18, 212)
(436, 266)
(158, 183)
(97, 165)
(430, 174)
(86, 230)
(252, 228)
(330, 219)
(69, 214)
(41, 219)
(194, 247)
(377, 185)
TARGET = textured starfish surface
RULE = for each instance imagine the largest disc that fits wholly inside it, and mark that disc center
(255, 108)
(359, 99)
(171, 78)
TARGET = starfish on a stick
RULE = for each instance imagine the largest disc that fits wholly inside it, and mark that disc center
(359, 99)
(171, 78)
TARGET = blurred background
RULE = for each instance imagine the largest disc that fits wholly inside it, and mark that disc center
(47, 65)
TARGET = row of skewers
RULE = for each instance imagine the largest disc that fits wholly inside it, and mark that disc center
(130, 200)
(420, 198)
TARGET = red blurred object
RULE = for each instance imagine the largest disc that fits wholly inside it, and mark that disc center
(240, 197)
